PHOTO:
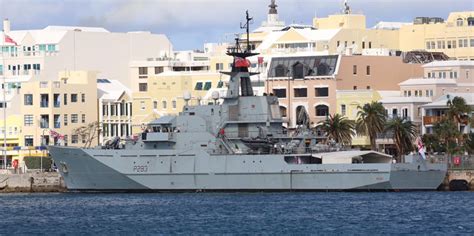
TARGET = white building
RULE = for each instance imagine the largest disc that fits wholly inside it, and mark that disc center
(45, 52)
(115, 109)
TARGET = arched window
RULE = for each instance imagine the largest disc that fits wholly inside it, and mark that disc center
(322, 110)
(470, 21)
(283, 111)
(301, 115)
(280, 71)
(459, 22)
(298, 71)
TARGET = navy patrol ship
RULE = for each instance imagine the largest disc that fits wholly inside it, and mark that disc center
(238, 144)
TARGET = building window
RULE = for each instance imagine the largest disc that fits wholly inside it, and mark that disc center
(83, 97)
(370, 44)
(83, 118)
(472, 42)
(338, 43)
(74, 138)
(280, 71)
(354, 70)
(198, 86)
(74, 119)
(56, 100)
(142, 87)
(207, 85)
(44, 121)
(322, 110)
(164, 105)
(283, 111)
(142, 105)
(44, 100)
(321, 92)
(173, 103)
(280, 93)
(300, 92)
(57, 121)
(28, 120)
(405, 112)
(29, 140)
(343, 109)
(73, 97)
(219, 66)
(28, 99)
(298, 71)
(65, 99)
(155, 105)
(142, 70)
(394, 112)
(367, 70)
(459, 22)
(363, 45)
(83, 138)
(368, 87)
(355, 87)
(43, 84)
(158, 70)
(65, 119)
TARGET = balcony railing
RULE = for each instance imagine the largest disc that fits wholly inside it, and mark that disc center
(430, 120)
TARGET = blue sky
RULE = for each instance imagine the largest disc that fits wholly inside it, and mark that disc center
(190, 23)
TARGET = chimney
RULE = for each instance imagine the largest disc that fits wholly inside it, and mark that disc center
(6, 26)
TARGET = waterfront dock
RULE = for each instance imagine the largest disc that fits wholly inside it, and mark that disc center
(31, 182)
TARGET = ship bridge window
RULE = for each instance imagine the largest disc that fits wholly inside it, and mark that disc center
(207, 85)
(302, 160)
(198, 86)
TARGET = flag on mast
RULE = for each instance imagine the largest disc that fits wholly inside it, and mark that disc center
(421, 147)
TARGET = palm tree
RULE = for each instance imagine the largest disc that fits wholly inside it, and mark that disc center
(371, 120)
(447, 131)
(404, 132)
(338, 128)
(458, 109)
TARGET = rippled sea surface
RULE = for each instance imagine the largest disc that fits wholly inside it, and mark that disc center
(238, 213)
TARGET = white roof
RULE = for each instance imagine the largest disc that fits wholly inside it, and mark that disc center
(423, 81)
(448, 63)
(441, 101)
(390, 25)
(311, 35)
(112, 91)
(75, 28)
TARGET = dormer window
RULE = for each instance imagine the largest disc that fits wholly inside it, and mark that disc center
(459, 22)
(470, 21)
(298, 71)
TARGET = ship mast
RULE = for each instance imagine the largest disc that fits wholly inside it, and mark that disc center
(239, 82)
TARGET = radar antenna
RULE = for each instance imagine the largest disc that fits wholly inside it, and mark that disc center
(247, 27)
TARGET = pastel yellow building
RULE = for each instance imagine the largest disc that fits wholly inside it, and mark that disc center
(61, 105)
(164, 95)
(347, 103)
(454, 37)
(13, 129)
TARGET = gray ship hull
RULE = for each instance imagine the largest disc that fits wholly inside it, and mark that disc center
(145, 170)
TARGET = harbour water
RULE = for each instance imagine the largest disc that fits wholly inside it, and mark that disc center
(238, 213)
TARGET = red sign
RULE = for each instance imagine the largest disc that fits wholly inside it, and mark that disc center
(457, 160)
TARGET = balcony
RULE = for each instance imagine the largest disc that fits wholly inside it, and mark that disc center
(431, 120)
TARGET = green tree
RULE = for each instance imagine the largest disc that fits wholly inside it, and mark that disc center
(458, 109)
(88, 133)
(338, 128)
(447, 131)
(432, 143)
(404, 132)
(370, 121)
(469, 143)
